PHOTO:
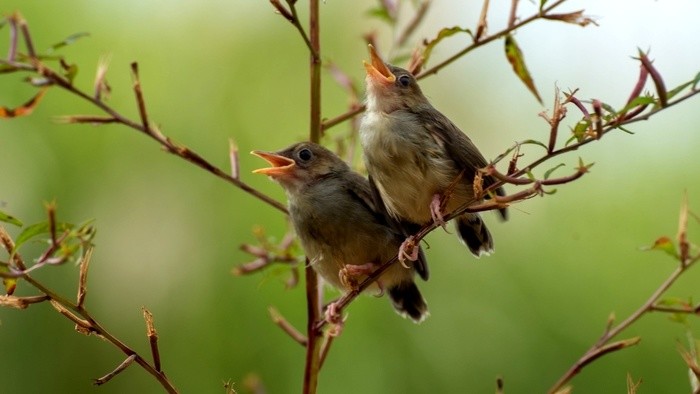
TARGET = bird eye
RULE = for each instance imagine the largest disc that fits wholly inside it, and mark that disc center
(305, 154)
(404, 80)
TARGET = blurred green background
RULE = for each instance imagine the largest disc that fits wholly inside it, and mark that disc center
(168, 232)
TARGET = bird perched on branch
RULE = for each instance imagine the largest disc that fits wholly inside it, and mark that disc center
(343, 234)
(421, 166)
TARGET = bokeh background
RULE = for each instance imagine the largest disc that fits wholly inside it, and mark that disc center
(168, 232)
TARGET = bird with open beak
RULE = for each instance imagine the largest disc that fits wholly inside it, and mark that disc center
(421, 166)
(343, 234)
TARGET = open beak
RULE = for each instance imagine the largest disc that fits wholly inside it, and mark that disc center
(377, 70)
(280, 165)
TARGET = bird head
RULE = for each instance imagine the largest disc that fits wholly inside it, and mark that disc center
(300, 165)
(390, 88)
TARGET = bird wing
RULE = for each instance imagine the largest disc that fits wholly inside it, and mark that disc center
(459, 148)
(403, 228)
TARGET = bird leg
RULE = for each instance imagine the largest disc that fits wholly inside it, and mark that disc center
(436, 209)
(334, 318)
(408, 251)
(440, 200)
(350, 273)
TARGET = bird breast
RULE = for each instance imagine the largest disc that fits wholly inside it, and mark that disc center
(408, 165)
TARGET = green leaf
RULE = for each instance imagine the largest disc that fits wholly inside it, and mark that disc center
(30, 232)
(696, 81)
(625, 130)
(580, 130)
(534, 142)
(517, 61)
(381, 13)
(542, 3)
(70, 72)
(664, 244)
(551, 170)
(549, 192)
(530, 176)
(679, 88)
(9, 219)
(442, 34)
(69, 40)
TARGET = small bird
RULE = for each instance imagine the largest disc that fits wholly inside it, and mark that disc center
(344, 235)
(420, 164)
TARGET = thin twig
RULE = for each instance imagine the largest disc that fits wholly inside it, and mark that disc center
(611, 333)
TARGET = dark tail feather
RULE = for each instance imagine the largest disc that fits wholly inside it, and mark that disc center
(473, 232)
(408, 301)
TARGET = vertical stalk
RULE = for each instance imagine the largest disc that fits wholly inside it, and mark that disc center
(313, 295)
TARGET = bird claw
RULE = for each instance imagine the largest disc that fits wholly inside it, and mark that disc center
(350, 272)
(436, 211)
(408, 251)
(334, 319)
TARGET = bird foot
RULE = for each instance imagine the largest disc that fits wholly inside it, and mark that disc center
(436, 206)
(334, 319)
(350, 273)
(408, 251)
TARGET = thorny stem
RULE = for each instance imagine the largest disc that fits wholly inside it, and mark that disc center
(95, 326)
(610, 333)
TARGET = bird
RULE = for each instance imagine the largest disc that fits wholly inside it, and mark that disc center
(421, 165)
(344, 235)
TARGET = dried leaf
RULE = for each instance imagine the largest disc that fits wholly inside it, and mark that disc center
(516, 60)
(632, 386)
(575, 17)
(11, 301)
(10, 284)
(682, 236)
(442, 34)
(25, 109)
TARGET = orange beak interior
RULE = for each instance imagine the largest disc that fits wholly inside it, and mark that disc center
(377, 70)
(280, 165)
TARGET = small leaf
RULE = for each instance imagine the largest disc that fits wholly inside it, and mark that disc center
(381, 13)
(576, 18)
(30, 232)
(69, 40)
(10, 284)
(24, 109)
(665, 245)
(581, 130)
(516, 60)
(70, 72)
(696, 81)
(442, 34)
(534, 142)
(549, 192)
(9, 219)
(542, 3)
(551, 170)
(679, 88)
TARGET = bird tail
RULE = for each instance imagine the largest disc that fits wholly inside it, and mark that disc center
(474, 233)
(408, 301)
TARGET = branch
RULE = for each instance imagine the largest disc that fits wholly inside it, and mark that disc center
(601, 347)
(434, 70)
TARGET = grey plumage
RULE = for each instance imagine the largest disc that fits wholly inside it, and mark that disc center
(338, 224)
(414, 153)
